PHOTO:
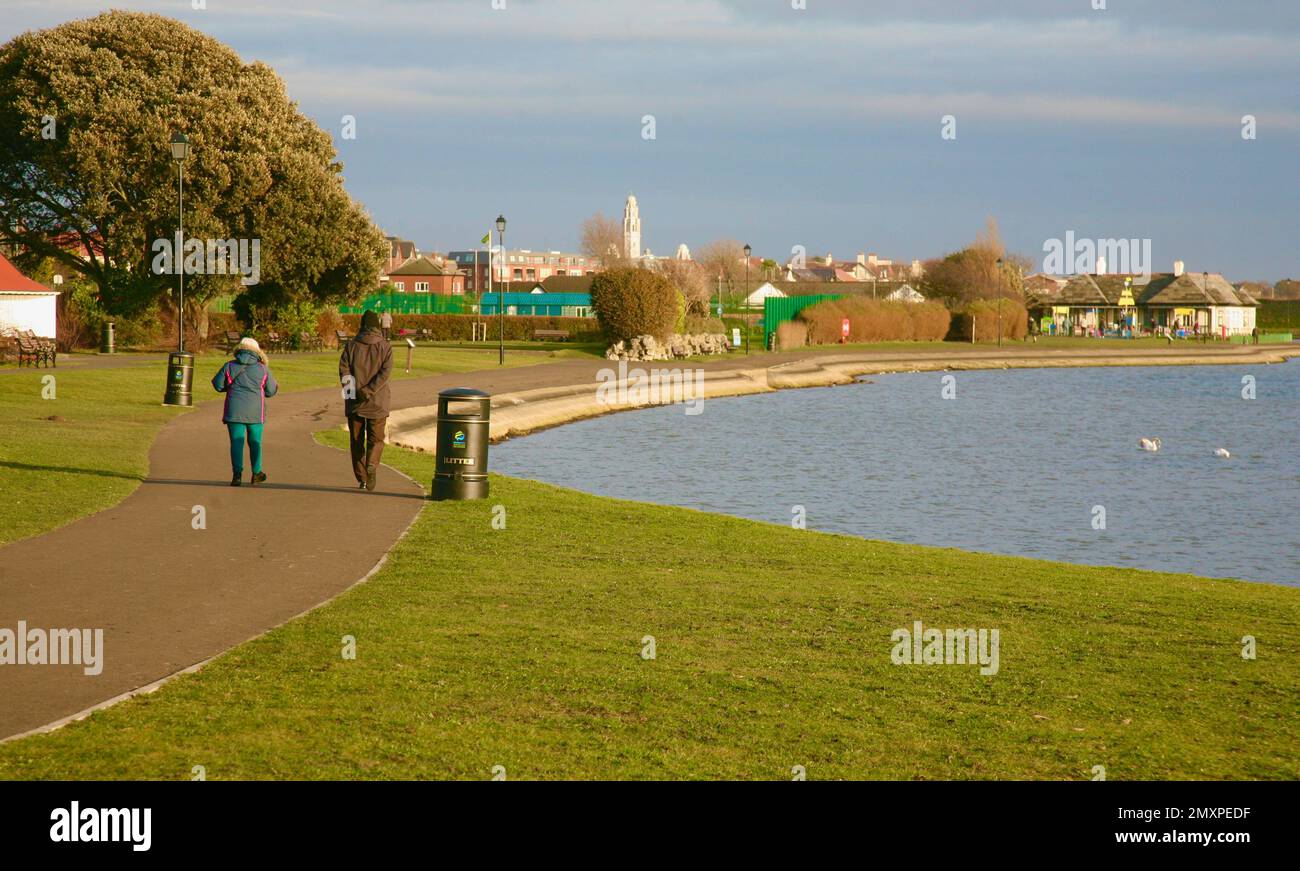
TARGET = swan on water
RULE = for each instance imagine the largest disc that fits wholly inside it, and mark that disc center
(1149, 444)
(1222, 452)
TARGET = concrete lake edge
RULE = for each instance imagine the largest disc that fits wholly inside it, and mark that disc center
(520, 413)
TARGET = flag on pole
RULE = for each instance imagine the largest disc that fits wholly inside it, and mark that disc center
(487, 237)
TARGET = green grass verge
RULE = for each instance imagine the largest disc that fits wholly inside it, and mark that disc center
(87, 448)
(521, 647)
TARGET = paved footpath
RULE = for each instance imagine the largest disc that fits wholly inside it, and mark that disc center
(168, 596)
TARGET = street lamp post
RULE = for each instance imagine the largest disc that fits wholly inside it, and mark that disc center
(180, 151)
(180, 366)
(501, 299)
(999, 302)
(744, 315)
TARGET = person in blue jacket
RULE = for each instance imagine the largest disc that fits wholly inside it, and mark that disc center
(247, 382)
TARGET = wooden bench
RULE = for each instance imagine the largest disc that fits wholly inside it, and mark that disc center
(311, 342)
(276, 342)
(550, 335)
(46, 349)
(232, 339)
(342, 337)
(34, 351)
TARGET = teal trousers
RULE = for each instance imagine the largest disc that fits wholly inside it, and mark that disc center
(239, 433)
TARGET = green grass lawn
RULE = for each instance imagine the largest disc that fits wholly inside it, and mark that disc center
(521, 647)
(88, 447)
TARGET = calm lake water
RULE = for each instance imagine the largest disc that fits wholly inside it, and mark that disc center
(1014, 464)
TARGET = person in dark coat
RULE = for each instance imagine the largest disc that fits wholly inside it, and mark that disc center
(247, 382)
(365, 367)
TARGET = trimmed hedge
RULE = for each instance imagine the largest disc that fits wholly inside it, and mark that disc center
(460, 328)
(984, 314)
(632, 302)
(872, 320)
(1278, 315)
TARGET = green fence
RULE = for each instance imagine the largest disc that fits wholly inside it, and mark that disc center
(409, 304)
(1264, 339)
(779, 309)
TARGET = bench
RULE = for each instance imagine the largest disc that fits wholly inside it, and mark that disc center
(35, 351)
(550, 335)
(311, 342)
(276, 342)
(342, 337)
(232, 338)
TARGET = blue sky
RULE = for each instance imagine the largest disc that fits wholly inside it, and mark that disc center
(817, 127)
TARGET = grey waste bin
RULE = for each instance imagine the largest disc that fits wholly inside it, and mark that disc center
(460, 469)
(180, 379)
(106, 340)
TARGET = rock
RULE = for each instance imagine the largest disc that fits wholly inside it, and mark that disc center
(648, 348)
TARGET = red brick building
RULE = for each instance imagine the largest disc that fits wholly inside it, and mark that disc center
(426, 275)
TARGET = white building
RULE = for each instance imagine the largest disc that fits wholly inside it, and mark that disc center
(906, 293)
(25, 304)
(631, 229)
(762, 292)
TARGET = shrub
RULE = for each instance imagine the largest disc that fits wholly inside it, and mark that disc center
(791, 334)
(1278, 315)
(328, 321)
(634, 302)
(695, 325)
(983, 314)
(872, 320)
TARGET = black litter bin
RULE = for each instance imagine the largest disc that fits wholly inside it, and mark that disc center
(106, 339)
(460, 470)
(180, 379)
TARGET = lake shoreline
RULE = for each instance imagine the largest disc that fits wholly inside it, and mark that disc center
(522, 412)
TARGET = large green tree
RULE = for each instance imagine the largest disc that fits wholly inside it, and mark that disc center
(87, 110)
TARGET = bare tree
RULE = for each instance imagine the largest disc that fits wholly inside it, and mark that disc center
(602, 239)
(723, 257)
(690, 278)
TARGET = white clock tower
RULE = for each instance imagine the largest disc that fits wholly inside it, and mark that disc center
(631, 229)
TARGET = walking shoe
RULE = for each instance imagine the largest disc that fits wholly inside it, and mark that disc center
(361, 485)
(259, 478)
(234, 481)
(371, 475)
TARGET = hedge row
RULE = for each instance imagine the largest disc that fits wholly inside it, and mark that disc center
(983, 314)
(1278, 314)
(872, 320)
(460, 328)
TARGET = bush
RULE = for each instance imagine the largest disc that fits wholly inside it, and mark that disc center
(791, 334)
(872, 320)
(460, 328)
(328, 322)
(1278, 315)
(80, 318)
(634, 302)
(984, 315)
(696, 325)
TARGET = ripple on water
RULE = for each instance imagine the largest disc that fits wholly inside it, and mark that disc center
(1015, 464)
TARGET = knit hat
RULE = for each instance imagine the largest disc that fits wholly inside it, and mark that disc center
(369, 320)
(248, 343)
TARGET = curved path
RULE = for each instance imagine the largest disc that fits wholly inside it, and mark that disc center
(169, 597)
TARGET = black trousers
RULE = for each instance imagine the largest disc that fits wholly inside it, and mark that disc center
(366, 438)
